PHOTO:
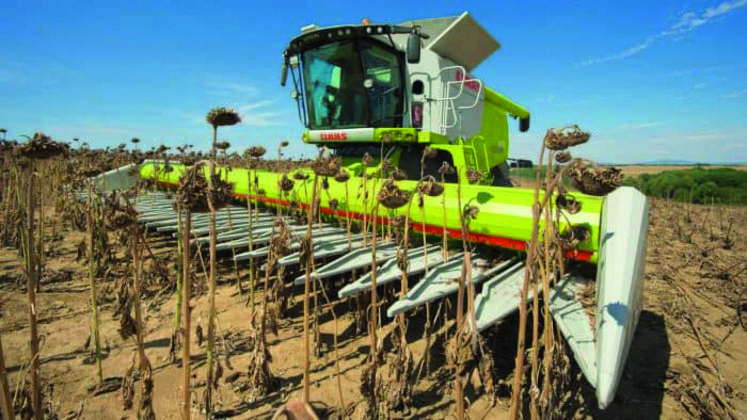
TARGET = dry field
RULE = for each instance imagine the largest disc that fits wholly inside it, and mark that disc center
(689, 357)
(635, 170)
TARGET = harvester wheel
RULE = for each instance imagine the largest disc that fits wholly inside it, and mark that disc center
(501, 176)
(410, 163)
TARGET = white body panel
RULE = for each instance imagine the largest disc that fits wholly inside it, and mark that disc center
(622, 259)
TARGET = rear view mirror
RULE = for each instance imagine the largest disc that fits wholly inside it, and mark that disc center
(283, 75)
(413, 48)
(524, 124)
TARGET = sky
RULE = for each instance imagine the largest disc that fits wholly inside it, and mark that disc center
(651, 80)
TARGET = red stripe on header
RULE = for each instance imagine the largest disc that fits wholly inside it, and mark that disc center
(499, 241)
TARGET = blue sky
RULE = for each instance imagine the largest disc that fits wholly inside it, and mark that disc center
(651, 80)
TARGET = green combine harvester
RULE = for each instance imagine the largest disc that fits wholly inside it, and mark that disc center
(390, 92)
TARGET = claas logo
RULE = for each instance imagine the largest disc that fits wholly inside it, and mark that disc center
(335, 136)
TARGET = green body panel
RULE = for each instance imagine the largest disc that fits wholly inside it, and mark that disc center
(505, 104)
(430, 137)
(492, 143)
(504, 219)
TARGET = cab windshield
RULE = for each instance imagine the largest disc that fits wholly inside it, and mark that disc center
(352, 84)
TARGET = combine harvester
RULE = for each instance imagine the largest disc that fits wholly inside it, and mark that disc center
(390, 91)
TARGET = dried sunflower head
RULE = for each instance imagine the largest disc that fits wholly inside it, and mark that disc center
(571, 237)
(222, 145)
(565, 137)
(367, 159)
(473, 176)
(471, 212)
(430, 153)
(386, 166)
(284, 143)
(391, 197)
(593, 180)
(326, 166)
(300, 176)
(41, 147)
(285, 183)
(563, 157)
(334, 203)
(222, 116)
(399, 175)
(193, 191)
(430, 187)
(255, 151)
(342, 176)
(6, 146)
(134, 140)
(568, 203)
(446, 169)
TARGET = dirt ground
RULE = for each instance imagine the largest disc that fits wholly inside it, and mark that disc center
(688, 359)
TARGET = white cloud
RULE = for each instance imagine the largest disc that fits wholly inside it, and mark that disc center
(254, 105)
(262, 119)
(691, 21)
(622, 54)
(223, 87)
(688, 22)
(252, 114)
(735, 94)
(636, 126)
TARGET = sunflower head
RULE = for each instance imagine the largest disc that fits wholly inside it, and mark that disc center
(41, 147)
(222, 116)
(255, 151)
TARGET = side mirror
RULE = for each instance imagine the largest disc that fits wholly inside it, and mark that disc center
(413, 48)
(283, 75)
(524, 124)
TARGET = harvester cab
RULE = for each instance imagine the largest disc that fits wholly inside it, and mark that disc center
(393, 90)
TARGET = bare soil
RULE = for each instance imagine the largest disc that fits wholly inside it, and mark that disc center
(689, 357)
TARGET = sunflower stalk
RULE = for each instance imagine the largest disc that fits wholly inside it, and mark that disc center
(31, 280)
(466, 268)
(212, 284)
(186, 358)
(529, 275)
(92, 282)
(250, 240)
(179, 280)
(7, 403)
(145, 410)
(309, 258)
(216, 117)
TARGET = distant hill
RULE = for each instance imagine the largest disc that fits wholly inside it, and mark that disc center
(666, 162)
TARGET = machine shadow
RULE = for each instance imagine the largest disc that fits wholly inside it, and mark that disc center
(640, 393)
